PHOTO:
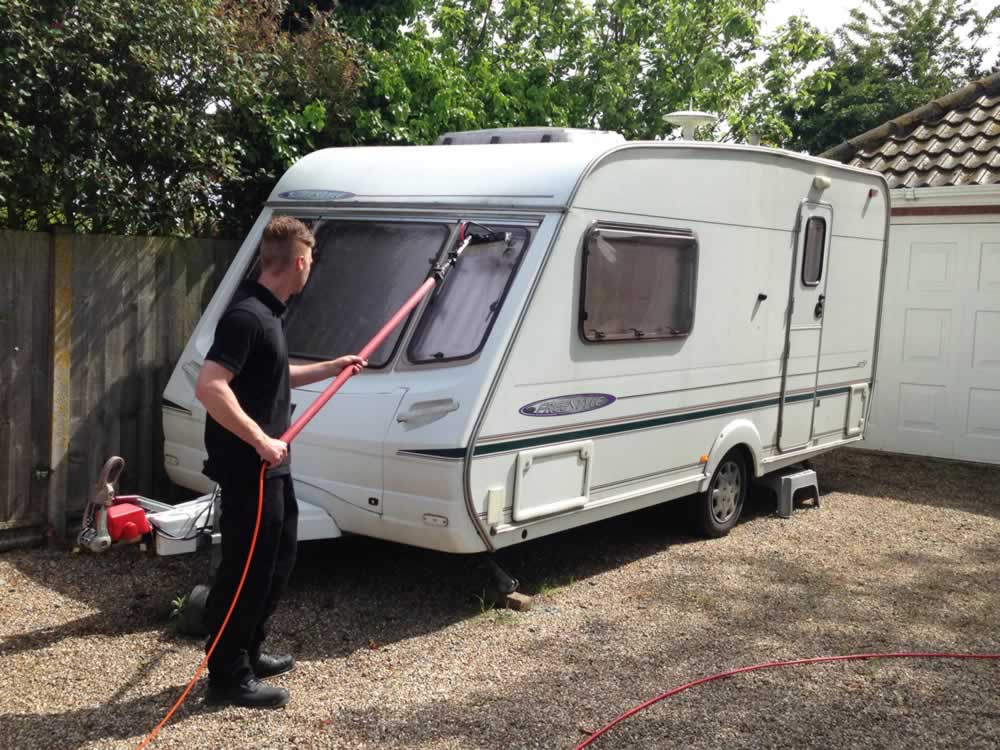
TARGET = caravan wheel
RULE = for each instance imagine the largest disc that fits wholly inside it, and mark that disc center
(718, 509)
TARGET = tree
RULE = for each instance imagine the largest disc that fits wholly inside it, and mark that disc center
(614, 64)
(892, 57)
(291, 89)
(467, 64)
(764, 92)
(649, 58)
(179, 116)
(105, 120)
(168, 117)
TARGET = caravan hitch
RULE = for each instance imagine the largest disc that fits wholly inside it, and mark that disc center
(128, 521)
(94, 535)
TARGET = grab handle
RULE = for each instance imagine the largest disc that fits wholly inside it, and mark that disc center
(424, 409)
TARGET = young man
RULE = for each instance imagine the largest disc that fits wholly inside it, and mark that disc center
(245, 386)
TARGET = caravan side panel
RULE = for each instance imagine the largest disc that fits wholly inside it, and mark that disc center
(630, 423)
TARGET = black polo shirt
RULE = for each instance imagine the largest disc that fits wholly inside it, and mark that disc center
(250, 342)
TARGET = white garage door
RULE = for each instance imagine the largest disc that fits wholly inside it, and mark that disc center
(937, 390)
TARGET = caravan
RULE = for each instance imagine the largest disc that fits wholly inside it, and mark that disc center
(654, 321)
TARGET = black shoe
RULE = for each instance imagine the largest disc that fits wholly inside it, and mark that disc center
(270, 665)
(251, 693)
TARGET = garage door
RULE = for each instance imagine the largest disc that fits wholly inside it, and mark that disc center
(937, 390)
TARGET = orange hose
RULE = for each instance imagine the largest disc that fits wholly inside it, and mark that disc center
(239, 587)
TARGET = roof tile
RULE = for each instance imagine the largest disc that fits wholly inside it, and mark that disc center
(929, 147)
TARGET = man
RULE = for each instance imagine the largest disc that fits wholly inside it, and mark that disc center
(245, 386)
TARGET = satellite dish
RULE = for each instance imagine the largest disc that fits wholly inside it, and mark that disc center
(689, 120)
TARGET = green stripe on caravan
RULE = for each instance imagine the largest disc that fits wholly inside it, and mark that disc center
(617, 429)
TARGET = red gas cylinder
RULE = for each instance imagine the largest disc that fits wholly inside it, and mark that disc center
(127, 522)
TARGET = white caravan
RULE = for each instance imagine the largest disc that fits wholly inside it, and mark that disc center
(665, 320)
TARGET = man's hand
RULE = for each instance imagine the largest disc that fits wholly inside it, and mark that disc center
(299, 375)
(271, 450)
(347, 361)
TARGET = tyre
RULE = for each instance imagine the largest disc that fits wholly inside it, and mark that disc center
(193, 615)
(717, 510)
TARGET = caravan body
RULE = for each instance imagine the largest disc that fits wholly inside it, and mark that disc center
(657, 307)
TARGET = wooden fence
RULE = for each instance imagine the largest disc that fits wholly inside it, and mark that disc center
(90, 329)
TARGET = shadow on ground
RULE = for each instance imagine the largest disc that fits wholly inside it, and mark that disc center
(351, 585)
(392, 592)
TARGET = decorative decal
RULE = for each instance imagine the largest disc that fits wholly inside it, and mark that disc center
(315, 195)
(562, 405)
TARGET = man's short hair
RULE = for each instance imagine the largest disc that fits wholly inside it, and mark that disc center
(279, 243)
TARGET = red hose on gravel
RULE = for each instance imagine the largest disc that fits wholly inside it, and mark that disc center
(772, 665)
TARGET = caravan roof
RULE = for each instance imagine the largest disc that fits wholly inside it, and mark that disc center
(535, 174)
(529, 175)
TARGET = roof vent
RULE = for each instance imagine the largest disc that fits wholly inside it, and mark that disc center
(528, 135)
(689, 120)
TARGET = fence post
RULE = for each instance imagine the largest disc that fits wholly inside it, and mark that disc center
(61, 371)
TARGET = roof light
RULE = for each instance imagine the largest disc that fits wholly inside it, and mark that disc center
(527, 135)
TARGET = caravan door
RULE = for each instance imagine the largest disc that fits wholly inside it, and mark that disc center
(803, 334)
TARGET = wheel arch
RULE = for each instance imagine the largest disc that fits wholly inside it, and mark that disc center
(741, 434)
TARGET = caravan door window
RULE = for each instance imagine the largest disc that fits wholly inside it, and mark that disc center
(363, 271)
(812, 263)
(638, 285)
(459, 317)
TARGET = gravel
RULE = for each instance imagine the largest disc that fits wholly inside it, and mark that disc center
(397, 648)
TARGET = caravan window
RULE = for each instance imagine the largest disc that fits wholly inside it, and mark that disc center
(812, 261)
(638, 285)
(363, 271)
(460, 316)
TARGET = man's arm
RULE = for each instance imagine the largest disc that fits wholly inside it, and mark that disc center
(213, 391)
(306, 374)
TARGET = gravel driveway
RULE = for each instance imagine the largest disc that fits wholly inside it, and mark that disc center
(396, 649)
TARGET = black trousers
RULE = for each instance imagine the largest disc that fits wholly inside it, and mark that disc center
(273, 560)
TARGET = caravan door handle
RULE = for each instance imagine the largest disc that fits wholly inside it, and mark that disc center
(818, 312)
(192, 370)
(423, 409)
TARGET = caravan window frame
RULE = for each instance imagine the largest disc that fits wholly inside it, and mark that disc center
(636, 230)
(531, 229)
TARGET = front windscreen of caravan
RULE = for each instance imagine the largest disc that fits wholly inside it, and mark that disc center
(363, 271)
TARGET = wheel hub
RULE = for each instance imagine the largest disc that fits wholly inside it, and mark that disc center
(726, 492)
